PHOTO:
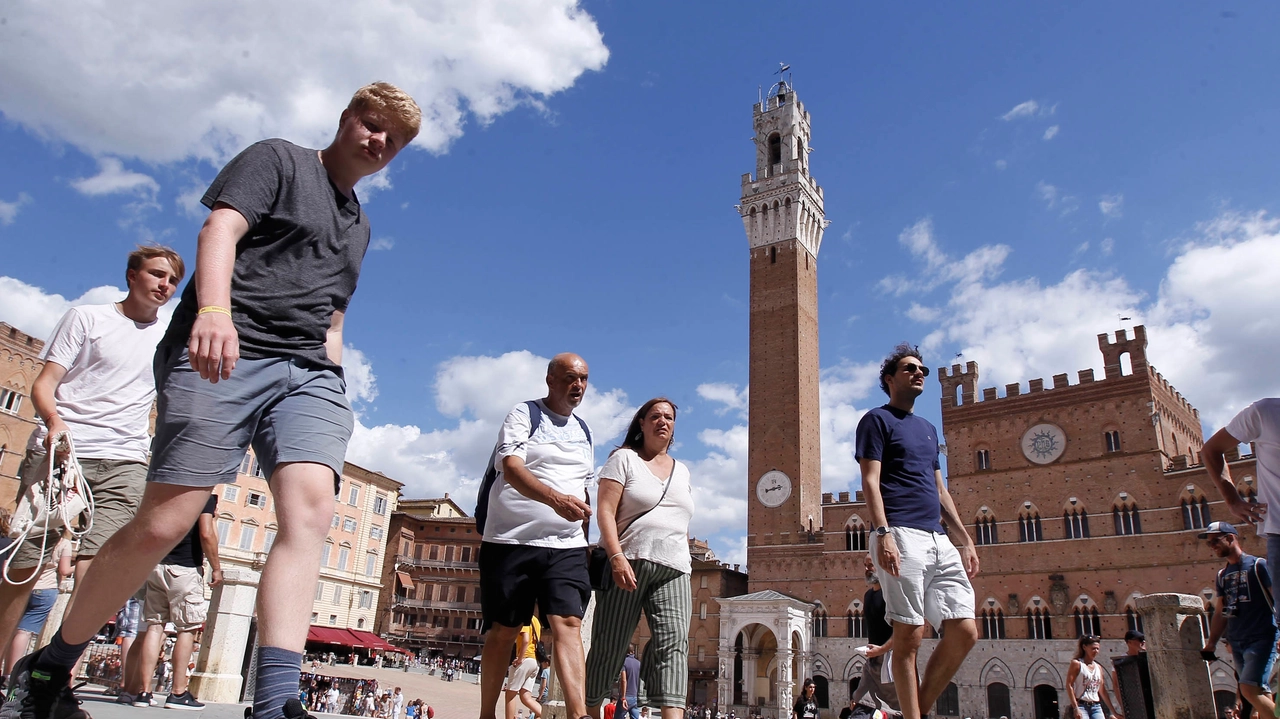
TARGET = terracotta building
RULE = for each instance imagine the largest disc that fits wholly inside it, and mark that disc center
(1082, 496)
(19, 365)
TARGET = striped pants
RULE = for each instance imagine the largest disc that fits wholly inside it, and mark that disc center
(666, 597)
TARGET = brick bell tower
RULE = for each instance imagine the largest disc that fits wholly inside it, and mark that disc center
(782, 212)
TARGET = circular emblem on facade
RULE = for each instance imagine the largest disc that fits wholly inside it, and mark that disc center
(1044, 443)
(773, 488)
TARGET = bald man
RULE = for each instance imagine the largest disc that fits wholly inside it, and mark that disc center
(533, 515)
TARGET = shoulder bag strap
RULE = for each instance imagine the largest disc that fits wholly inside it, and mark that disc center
(666, 489)
(1266, 593)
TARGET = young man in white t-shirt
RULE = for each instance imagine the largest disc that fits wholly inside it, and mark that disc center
(534, 547)
(97, 386)
(1259, 424)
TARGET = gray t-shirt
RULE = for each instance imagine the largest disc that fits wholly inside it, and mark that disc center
(299, 261)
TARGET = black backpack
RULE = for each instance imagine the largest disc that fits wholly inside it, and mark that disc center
(491, 474)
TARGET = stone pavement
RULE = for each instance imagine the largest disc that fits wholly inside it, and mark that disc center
(458, 699)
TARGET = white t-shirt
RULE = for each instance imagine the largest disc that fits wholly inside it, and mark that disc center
(661, 535)
(560, 454)
(105, 397)
(1259, 423)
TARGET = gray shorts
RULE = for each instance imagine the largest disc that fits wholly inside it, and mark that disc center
(287, 410)
(117, 486)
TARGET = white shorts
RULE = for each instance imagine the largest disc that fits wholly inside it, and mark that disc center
(522, 677)
(931, 584)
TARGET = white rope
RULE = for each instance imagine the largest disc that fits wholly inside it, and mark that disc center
(49, 505)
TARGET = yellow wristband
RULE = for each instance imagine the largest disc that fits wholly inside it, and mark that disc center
(213, 308)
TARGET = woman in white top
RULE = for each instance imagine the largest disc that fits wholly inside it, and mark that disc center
(1085, 686)
(643, 509)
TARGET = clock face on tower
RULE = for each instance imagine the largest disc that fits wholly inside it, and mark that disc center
(773, 488)
(1044, 443)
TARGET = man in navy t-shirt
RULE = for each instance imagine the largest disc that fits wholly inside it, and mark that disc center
(1244, 611)
(922, 574)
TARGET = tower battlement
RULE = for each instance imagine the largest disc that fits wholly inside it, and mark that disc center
(14, 336)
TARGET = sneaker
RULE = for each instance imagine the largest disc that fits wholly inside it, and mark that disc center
(144, 700)
(124, 697)
(185, 700)
(39, 693)
(293, 709)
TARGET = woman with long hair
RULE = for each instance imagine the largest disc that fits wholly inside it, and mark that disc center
(1085, 686)
(644, 506)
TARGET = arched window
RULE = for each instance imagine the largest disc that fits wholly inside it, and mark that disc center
(993, 623)
(857, 622)
(1126, 517)
(1039, 625)
(1195, 508)
(1029, 529)
(985, 527)
(855, 535)
(983, 459)
(775, 150)
(1085, 614)
(1075, 521)
(1132, 620)
(949, 701)
(820, 622)
(1112, 438)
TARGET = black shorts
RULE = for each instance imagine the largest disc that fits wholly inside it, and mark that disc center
(513, 578)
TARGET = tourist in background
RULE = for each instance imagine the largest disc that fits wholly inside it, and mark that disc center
(644, 505)
(1085, 687)
(1243, 610)
(807, 705)
(43, 596)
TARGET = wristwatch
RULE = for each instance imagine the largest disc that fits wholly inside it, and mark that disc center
(881, 531)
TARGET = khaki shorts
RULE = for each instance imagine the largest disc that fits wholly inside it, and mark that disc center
(175, 594)
(117, 486)
(522, 677)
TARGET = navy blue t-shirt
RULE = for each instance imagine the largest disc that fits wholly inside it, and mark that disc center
(907, 448)
(1249, 615)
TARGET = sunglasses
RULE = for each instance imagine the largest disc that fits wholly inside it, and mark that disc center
(911, 368)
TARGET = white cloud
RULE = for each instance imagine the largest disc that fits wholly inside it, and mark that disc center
(36, 312)
(939, 266)
(382, 243)
(369, 186)
(1107, 246)
(1051, 132)
(920, 313)
(204, 85)
(9, 210)
(362, 386)
(1054, 198)
(1022, 110)
(728, 395)
(113, 178)
(1212, 329)
(1001, 164)
(1111, 206)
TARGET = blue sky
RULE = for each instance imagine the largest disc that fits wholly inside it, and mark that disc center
(1004, 182)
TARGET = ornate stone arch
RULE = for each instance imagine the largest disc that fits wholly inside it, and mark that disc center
(995, 670)
(1042, 671)
(854, 667)
(821, 667)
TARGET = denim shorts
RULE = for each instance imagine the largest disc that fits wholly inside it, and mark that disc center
(931, 585)
(1254, 661)
(286, 409)
(127, 619)
(38, 607)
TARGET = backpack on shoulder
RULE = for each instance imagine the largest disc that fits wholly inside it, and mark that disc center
(491, 473)
(57, 501)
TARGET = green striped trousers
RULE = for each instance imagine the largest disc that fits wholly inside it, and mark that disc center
(666, 597)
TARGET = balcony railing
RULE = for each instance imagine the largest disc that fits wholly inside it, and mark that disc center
(435, 563)
(432, 604)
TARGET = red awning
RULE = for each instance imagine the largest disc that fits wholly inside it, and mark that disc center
(405, 581)
(373, 641)
(329, 635)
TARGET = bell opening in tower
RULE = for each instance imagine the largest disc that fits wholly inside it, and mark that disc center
(775, 149)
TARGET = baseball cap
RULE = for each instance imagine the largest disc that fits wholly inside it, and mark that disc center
(1217, 528)
(1134, 634)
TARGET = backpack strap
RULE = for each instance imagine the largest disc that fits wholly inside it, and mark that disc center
(1266, 591)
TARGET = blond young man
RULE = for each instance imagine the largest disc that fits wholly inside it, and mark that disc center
(251, 358)
(96, 387)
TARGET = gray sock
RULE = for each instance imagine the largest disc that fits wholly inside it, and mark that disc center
(279, 671)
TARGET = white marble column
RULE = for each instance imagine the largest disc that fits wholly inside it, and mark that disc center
(226, 632)
(785, 657)
(724, 677)
(1180, 684)
(749, 671)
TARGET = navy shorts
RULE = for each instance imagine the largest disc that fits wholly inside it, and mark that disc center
(514, 577)
(286, 409)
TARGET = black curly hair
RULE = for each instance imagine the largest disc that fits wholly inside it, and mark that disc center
(890, 364)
